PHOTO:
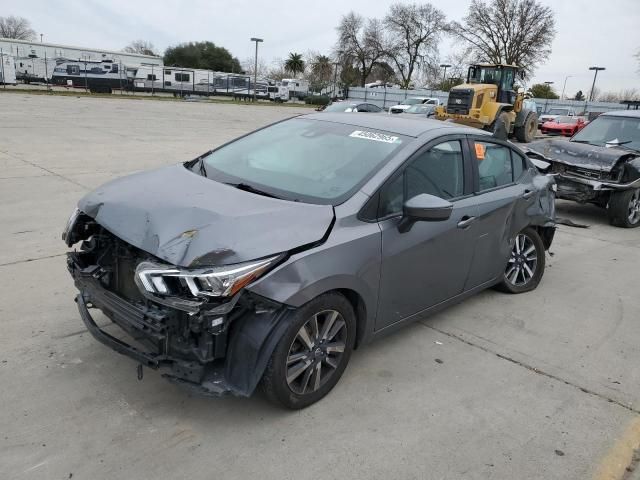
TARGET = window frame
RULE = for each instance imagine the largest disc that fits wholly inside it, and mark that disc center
(468, 178)
(476, 172)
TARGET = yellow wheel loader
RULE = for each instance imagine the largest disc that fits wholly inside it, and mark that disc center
(488, 101)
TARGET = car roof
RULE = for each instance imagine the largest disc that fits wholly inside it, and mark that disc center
(622, 113)
(409, 125)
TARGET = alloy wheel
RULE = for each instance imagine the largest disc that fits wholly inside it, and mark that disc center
(634, 208)
(316, 352)
(522, 262)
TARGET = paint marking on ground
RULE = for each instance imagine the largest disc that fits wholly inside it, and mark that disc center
(614, 465)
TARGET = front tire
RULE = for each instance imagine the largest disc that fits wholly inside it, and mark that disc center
(624, 208)
(313, 353)
(526, 263)
(527, 132)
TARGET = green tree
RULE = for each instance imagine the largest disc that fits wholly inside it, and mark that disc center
(294, 64)
(204, 55)
(321, 72)
(542, 90)
(579, 96)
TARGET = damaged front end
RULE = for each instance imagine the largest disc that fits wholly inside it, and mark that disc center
(199, 327)
(585, 173)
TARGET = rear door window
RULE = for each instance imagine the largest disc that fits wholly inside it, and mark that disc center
(495, 165)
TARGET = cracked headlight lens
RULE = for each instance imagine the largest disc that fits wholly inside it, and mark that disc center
(69, 226)
(163, 280)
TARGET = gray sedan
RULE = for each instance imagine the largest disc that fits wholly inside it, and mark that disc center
(270, 259)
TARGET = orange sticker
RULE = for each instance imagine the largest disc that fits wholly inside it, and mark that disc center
(480, 148)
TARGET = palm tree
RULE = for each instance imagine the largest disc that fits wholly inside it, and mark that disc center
(294, 64)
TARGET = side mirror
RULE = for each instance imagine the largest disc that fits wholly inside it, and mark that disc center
(424, 207)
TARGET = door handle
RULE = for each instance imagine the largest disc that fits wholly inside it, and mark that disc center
(466, 221)
(527, 194)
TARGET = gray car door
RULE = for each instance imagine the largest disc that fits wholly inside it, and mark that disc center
(504, 191)
(428, 264)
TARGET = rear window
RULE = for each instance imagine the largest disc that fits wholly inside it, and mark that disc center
(307, 160)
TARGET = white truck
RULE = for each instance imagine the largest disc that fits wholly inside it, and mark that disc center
(408, 102)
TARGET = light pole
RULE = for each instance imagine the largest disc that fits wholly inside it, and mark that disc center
(565, 85)
(444, 75)
(41, 37)
(546, 103)
(595, 75)
(255, 71)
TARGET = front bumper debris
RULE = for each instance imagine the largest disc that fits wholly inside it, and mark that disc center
(213, 363)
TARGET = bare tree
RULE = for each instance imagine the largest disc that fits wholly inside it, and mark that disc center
(516, 32)
(414, 33)
(362, 41)
(249, 65)
(617, 97)
(18, 28)
(141, 47)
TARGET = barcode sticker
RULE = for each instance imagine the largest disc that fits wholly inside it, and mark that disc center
(375, 136)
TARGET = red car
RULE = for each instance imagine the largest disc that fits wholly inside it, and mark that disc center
(567, 126)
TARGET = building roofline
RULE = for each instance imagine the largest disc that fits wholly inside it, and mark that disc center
(58, 45)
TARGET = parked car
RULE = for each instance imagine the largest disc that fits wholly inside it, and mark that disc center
(426, 110)
(271, 258)
(600, 164)
(554, 113)
(408, 102)
(352, 107)
(565, 126)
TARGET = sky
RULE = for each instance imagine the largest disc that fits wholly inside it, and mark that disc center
(589, 32)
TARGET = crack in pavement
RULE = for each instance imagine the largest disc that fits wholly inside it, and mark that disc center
(32, 259)
(531, 368)
(35, 165)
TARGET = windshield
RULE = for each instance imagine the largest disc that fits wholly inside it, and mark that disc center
(301, 159)
(420, 109)
(412, 101)
(485, 75)
(558, 111)
(613, 130)
(340, 107)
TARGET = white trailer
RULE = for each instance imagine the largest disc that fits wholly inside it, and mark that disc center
(35, 69)
(297, 88)
(7, 70)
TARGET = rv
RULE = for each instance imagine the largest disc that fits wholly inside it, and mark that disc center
(297, 88)
(278, 93)
(7, 70)
(34, 69)
(100, 77)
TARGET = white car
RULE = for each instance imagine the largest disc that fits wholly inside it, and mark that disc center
(554, 113)
(400, 108)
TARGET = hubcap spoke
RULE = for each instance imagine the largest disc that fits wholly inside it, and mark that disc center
(296, 357)
(316, 376)
(336, 328)
(295, 371)
(331, 318)
(335, 347)
(306, 339)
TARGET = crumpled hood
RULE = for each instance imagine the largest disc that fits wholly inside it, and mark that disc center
(189, 220)
(579, 154)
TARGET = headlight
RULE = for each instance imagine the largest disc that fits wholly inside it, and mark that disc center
(69, 227)
(162, 280)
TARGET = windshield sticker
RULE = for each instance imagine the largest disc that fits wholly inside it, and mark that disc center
(377, 137)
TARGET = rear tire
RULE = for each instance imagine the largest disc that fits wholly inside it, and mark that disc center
(624, 208)
(313, 352)
(527, 132)
(526, 263)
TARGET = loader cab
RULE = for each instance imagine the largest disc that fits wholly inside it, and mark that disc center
(502, 76)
